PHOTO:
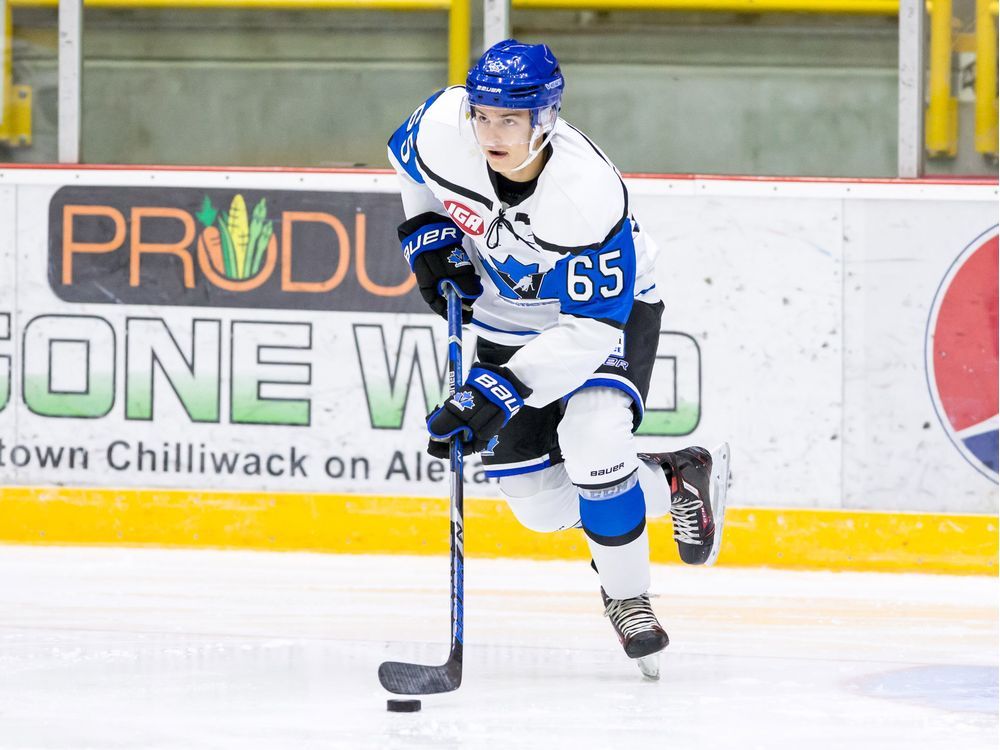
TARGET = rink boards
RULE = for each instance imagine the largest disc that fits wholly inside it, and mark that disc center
(249, 344)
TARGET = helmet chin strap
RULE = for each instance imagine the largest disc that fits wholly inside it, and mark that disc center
(534, 152)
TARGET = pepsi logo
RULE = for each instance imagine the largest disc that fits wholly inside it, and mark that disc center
(465, 217)
(961, 353)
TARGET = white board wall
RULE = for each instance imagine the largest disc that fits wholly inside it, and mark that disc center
(801, 308)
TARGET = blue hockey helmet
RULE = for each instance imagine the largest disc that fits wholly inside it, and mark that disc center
(512, 75)
(515, 76)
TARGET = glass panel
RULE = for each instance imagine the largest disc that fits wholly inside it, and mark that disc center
(662, 91)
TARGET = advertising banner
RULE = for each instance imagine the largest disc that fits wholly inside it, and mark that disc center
(920, 375)
(274, 249)
(261, 332)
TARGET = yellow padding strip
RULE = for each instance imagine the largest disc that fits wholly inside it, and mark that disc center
(786, 538)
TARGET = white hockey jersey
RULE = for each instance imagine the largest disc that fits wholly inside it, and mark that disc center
(560, 269)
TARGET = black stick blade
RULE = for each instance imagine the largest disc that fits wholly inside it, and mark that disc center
(418, 679)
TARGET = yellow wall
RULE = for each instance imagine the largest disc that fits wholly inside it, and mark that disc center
(786, 538)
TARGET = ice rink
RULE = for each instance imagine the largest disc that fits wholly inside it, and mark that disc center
(143, 648)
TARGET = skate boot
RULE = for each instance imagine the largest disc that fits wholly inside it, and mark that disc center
(639, 631)
(698, 483)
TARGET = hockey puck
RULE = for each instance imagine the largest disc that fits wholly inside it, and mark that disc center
(398, 705)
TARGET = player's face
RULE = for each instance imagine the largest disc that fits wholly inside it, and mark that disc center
(504, 135)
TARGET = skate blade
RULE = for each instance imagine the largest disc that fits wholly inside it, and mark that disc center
(718, 486)
(649, 666)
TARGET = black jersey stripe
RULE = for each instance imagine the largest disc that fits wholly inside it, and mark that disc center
(471, 194)
(576, 250)
(606, 321)
(605, 160)
(592, 145)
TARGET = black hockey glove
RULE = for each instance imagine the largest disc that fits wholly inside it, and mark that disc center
(486, 402)
(432, 245)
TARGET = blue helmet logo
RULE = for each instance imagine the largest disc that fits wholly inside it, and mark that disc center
(516, 76)
(463, 400)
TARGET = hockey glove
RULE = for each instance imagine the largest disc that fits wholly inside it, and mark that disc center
(490, 397)
(432, 245)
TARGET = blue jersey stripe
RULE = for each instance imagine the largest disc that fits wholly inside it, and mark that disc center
(501, 330)
(598, 283)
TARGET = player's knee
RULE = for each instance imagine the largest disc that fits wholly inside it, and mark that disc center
(542, 501)
(595, 436)
(521, 486)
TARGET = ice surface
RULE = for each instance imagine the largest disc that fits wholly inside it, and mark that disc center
(144, 648)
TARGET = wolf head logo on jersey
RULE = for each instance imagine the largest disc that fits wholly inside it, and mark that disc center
(463, 400)
(514, 279)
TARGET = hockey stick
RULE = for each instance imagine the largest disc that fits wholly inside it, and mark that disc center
(418, 679)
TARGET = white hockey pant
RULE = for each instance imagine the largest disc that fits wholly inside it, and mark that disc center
(601, 486)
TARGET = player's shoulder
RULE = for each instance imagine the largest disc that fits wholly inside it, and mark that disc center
(439, 107)
(440, 137)
(445, 107)
(430, 128)
(582, 199)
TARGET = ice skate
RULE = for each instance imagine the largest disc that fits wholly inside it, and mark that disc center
(649, 666)
(639, 631)
(698, 483)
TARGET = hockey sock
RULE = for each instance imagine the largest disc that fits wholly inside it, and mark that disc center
(614, 520)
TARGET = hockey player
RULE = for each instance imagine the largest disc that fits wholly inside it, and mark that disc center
(531, 222)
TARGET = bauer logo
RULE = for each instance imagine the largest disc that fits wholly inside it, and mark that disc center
(961, 353)
(465, 217)
(229, 248)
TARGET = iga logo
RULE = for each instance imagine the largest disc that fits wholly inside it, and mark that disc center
(465, 217)
(961, 353)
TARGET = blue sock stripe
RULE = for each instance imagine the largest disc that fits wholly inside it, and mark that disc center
(614, 516)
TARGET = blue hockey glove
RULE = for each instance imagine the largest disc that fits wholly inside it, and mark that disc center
(490, 397)
(432, 245)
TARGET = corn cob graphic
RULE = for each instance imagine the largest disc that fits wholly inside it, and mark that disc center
(260, 234)
(239, 233)
(235, 247)
(262, 244)
(228, 251)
